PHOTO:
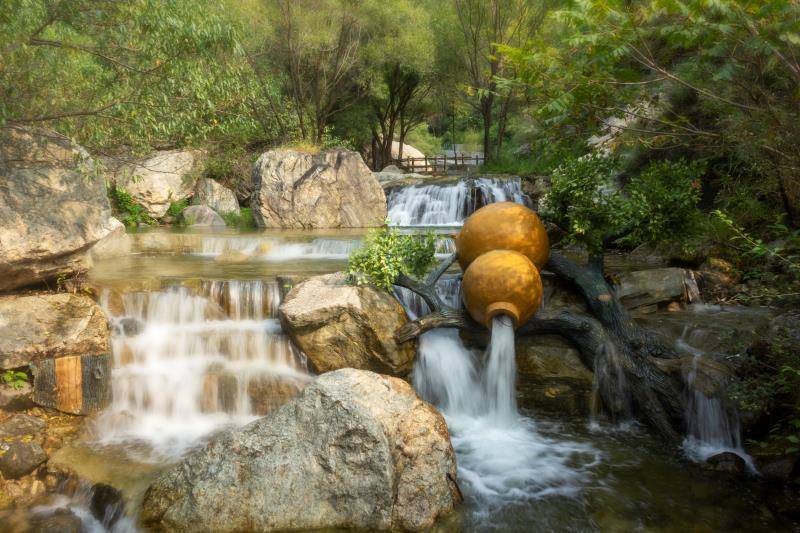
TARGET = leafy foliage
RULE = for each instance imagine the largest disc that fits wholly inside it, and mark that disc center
(770, 380)
(176, 208)
(126, 208)
(242, 220)
(387, 253)
(15, 379)
(714, 81)
(587, 200)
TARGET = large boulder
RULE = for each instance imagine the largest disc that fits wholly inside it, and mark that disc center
(338, 325)
(408, 151)
(332, 189)
(216, 196)
(202, 215)
(356, 450)
(162, 178)
(53, 207)
(43, 326)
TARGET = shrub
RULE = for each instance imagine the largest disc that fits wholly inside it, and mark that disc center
(131, 213)
(14, 378)
(176, 208)
(243, 220)
(588, 202)
(387, 253)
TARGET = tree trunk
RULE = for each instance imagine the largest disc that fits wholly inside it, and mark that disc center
(486, 113)
(623, 355)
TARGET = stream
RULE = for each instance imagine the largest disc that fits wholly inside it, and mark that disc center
(196, 344)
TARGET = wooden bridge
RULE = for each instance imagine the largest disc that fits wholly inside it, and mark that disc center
(439, 164)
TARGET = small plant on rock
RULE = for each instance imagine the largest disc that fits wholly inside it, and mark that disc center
(387, 253)
(15, 379)
(130, 212)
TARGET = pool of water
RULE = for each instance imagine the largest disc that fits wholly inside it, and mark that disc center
(206, 338)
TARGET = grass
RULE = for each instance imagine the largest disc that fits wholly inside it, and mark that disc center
(243, 220)
(126, 208)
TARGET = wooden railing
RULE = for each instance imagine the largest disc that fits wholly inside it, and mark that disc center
(439, 164)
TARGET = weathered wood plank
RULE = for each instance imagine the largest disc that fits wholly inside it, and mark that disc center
(75, 384)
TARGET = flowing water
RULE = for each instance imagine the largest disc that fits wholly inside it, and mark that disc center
(197, 348)
(448, 204)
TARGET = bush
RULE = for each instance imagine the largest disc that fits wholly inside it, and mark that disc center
(128, 211)
(588, 202)
(243, 220)
(769, 384)
(387, 253)
(176, 208)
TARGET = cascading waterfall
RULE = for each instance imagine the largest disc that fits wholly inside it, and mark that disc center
(450, 203)
(499, 380)
(186, 365)
(273, 249)
(503, 459)
(713, 426)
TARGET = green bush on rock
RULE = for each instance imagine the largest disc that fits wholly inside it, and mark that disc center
(387, 253)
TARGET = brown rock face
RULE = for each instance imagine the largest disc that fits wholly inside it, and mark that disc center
(333, 189)
(503, 226)
(43, 326)
(341, 326)
(53, 207)
(356, 450)
(502, 281)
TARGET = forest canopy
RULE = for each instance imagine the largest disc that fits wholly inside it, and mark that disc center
(658, 94)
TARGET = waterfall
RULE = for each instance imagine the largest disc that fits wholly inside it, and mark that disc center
(274, 249)
(186, 364)
(499, 380)
(713, 426)
(448, 204)
(503, 458)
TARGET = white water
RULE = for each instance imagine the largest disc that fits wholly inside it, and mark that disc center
(502, 457)
(713, 427)
(273, 249)
(188, 371)
(449, 204)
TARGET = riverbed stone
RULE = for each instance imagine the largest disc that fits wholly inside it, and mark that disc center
(331, 189)
(216, 196)
(159, 179)
(21, 425)
(339, 325)
(20, 457)
(202, 215)
(35, 327)
(355, 450)
(53, 207)
(727, 462)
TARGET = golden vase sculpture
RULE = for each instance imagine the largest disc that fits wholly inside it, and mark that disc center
(503, 226)
(502, 281)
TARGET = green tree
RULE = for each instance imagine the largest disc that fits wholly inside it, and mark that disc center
(713, 80)
(110, 74)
